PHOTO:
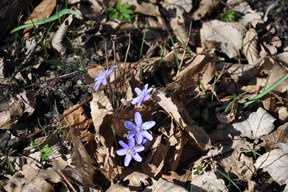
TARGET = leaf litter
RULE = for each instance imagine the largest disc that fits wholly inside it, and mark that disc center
(164, 103)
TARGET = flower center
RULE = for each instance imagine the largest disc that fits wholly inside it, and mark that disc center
(141, 95)
(103, 76)
(130, 150)
(138, 128)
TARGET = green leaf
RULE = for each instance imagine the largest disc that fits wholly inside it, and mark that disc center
(49, 19)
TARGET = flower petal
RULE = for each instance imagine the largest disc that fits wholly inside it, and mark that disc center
(147, 135)
(137, 157)
(121, 152)
(136, 100)
(138, 119)
(149, 90)
(97, 85)
(146, 97)
(148, 125)
(131, 142)
(139, 148)
(138, 91)
(139, 137)
(129, 125)
(145, 87)
(127, 159)
(104, 82)
(131, 134)
(139, 102)
(124, 145)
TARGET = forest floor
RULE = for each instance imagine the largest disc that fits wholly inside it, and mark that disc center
(145, 96)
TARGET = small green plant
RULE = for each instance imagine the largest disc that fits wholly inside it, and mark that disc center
(122, 12)
(228, 16)
(45, 151)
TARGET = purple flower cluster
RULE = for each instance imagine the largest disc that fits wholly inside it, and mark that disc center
(138, 133)
(142, 95)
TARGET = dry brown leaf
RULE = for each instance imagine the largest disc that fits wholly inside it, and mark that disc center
(76, 117)
(33, 180)
(275, 163)
(277, 70)
(42, 11)
(208, 181)
(136, 179)
(280, 135)
(118, 188)
(200, 69)
(163, 185)
(248, 15)
(177, 21)
(12, 109)
(239, 164)
(258, 124)
(157, 156)
(206, 7)
(250, 46)
(101, 111)
(181, 116)
(184, 4)
(228, 34)
(144, 7)
(92, 10)
(181, 178)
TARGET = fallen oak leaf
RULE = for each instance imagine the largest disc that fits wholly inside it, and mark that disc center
(258, 124)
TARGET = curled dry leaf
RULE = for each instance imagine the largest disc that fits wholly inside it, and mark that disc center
(206, 7)
(163, 185)
(228, 34)
(101, 110)
(258, 124)
(12, 109)
(250, 46)
(181, 116)
(42, 11)
(60, 34)
(208, 181)
(275, 163)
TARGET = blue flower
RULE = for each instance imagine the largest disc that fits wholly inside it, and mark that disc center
(102, 78)
(130, 151)
(142, 95)
(139, 131)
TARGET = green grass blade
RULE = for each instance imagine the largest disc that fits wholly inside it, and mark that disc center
(49, 19)
(265, 91)
(235, 99)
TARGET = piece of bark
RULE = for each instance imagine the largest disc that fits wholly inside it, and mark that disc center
(9, 11)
